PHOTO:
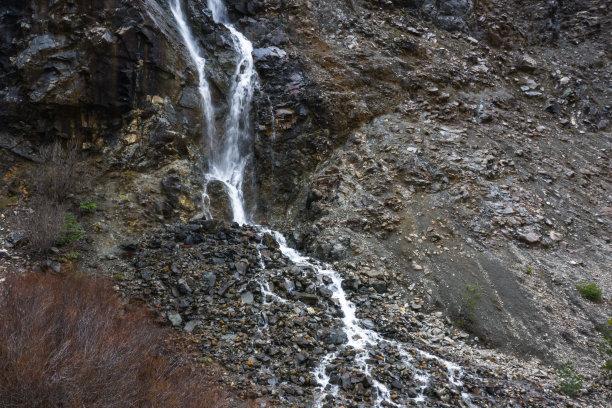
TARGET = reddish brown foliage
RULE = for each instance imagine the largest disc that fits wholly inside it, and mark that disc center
(69, 342)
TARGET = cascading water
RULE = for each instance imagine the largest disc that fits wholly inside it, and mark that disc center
(229, 155)
(227, 163)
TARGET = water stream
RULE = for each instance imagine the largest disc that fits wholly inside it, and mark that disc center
(227, 163)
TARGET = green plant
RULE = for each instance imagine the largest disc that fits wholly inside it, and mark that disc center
(471, 298)
(462, 324)
(606, 345)
(590, 291)
(571, 381)
(468, 302)
(118, 277)
(71, 231)
(73, 255)
(88, 206)
(528, 271)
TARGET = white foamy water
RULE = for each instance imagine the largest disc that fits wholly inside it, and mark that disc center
(363, 340)
(227, 162)
(231, 155)
(200, 63)
(229, 152)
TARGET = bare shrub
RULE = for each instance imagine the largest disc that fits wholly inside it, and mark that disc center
(69, 342)
(41, 223)
(56, 177)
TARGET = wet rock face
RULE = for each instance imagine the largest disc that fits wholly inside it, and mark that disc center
(220, 205)
(77, 67)
(114, 74)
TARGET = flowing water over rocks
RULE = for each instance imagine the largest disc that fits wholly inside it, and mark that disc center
(403, 154)
(228, 153)
(292, 332)
(353, 338)
(341, 355)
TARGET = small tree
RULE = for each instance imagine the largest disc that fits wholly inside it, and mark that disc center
(571, 381)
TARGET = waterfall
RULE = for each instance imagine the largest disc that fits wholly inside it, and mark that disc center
(229, 155)
(230, 159)
(227, 161)
(200, 63)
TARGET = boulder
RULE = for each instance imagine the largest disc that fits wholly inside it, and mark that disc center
(220, 205)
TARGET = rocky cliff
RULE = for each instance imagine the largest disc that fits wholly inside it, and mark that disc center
(450, 158)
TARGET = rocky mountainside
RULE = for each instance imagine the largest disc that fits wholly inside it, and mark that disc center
(450, 159)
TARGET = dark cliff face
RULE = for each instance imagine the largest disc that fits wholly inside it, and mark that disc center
(88, 69)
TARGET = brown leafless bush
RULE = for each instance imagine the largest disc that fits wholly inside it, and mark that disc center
(69, 342)
(56, 177)
(41, 223)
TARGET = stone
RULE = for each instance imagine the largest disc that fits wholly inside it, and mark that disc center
(307, 298)
(247, 298)
(183, 287)
(268, 52)
(214, 226)
(530, 237)
(367, 324)
(269, 241)
(373, 273)
(336, 337)
(175, 318)
(379, 286)
(191, 325)
(301, 357)
(325, 292)
(603, 124)
(210, 279)
(146, 274)
(526, 63)
(219, 202)
(241, 267)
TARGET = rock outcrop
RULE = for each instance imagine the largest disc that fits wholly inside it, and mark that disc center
(450, 158)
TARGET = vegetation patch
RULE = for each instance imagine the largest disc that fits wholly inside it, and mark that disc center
(87, 206)
(606, 345)
(470, 298)
(41, 223)
(70, 342)
(468, 302)
(590, 291)
(570, 381)
(71, 231)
